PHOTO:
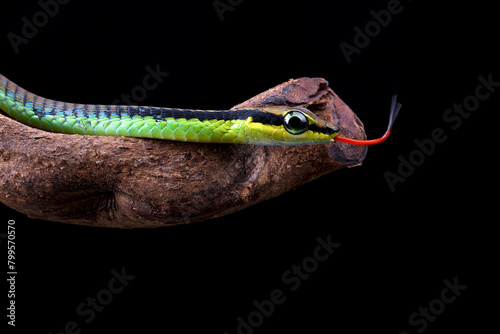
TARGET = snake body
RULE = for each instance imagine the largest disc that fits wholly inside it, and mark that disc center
(265, 126)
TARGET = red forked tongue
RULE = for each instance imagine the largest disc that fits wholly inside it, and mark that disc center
(395, 107)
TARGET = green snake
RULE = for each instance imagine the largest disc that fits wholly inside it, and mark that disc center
(279, 125)
(264, 126)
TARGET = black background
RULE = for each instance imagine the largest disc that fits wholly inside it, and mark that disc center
(397, 247)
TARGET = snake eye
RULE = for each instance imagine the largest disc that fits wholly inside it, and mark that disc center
(295, 122)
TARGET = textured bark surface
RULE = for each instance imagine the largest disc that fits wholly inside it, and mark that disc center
(129, 182)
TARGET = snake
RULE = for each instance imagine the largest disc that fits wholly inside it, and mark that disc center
(276, 125)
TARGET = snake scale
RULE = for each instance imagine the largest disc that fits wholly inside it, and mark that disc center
(278, 125)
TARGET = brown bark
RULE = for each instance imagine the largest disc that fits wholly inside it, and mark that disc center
(129, 182)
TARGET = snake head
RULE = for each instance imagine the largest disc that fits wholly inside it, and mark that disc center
(291, 126)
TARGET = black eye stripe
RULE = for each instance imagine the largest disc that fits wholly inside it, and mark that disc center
(325, 130)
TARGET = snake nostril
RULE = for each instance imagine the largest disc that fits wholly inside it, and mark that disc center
(330, 130)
